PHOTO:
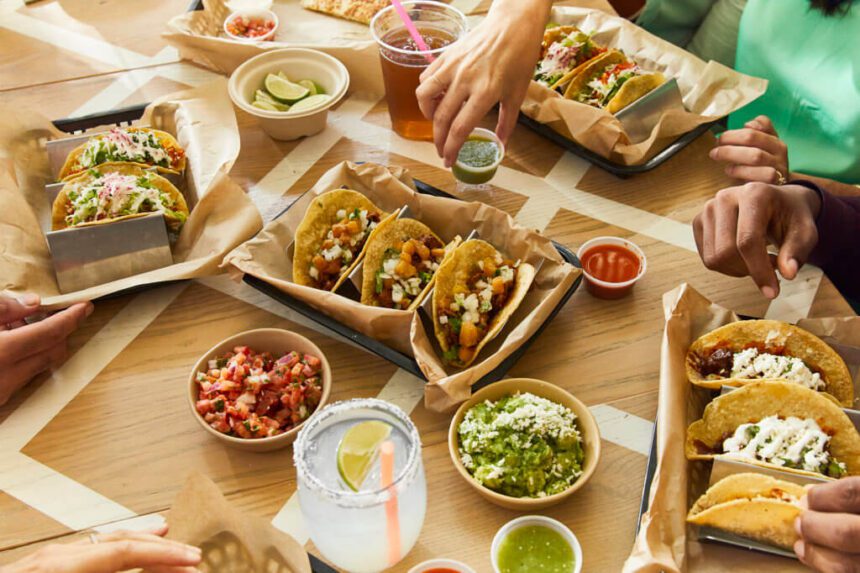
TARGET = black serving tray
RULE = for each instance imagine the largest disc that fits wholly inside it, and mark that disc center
(610, 166)
(396, 357)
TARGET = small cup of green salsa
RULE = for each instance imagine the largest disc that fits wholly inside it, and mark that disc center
(479, 158)
(536, 543)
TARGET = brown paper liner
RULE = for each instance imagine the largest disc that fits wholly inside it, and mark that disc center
(664, 542)
(710, 90)
(205, 125)
(266, 257)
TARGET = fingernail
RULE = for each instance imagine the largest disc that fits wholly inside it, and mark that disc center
(799, 549)
(90, 308)
(713, 153)
(798, 526)
(29, 299)
(804, 502)
(768, 291)
(192, 553)
(792, 266)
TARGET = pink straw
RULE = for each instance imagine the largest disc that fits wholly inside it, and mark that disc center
(413, 31)
(386, 458)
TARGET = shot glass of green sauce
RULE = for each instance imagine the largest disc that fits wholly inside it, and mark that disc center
(479, 158)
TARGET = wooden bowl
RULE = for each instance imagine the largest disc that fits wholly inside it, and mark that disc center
(278, 342)
(587, 429)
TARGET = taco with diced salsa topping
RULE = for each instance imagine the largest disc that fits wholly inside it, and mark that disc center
(780, 425)
(564, 51)
(115, 191)
(400, 264)
(751, 350)
(331, 238)
(477, 290)
(751, 505)
(611, 82)
(141, 146)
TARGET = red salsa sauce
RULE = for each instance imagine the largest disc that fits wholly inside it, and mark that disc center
(610, 264)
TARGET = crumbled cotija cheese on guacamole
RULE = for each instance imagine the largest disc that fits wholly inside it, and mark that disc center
(522, 446)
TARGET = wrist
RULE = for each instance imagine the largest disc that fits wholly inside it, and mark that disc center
(525, 12)
(811, 193)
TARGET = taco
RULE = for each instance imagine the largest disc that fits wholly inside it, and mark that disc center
(751, 350)
(777, 424)
(400, 264)
(564, 51)
(331, 238)
(138, 145)
(751, 505)
(477, 291)
(611, 82)
(115, 191)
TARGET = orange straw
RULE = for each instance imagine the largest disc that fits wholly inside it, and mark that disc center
(386, 459)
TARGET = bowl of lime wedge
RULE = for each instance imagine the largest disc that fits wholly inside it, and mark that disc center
(290, 91)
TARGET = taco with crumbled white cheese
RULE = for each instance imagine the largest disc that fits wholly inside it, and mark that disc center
(779, 425)
(751, 350)
(612, 82)
(140, 146)
(115, 191)
(477, 291)
(752, 505)
(564, 51)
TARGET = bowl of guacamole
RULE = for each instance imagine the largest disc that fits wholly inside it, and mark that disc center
(524, 443)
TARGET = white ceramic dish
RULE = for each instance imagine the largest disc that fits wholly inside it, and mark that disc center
(266, 15)
(297, 63)
(537, 520)
(442, 563)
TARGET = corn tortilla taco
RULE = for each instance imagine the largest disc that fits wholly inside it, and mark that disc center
(400, 264)
(611, 82)
(141, 146)
(751, 350)
(755, 506)
(330, 240)
(115, 191)
(781, 425)
(564, 52)
(477, 291)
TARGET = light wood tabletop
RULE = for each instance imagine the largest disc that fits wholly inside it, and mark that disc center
(108, 436)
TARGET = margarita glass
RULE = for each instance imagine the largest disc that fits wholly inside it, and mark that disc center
(371, 529)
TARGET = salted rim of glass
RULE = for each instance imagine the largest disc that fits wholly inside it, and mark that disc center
(434, 51)
(348, 497)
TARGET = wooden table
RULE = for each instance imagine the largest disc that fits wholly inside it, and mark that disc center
(108, 436)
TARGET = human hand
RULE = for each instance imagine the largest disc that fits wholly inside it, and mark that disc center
(112, 552)
(493, 64)
(734, 228)
(754, 153)
(29, 349)
(829, 528)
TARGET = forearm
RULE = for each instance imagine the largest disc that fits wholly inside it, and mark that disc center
(831, 186)
(534, 12)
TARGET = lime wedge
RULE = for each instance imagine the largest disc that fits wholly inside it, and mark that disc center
(285, 90)
(312, 87)
(263, 97)
(264, 105)
(283, 76)
(358, 449)
(310, 102)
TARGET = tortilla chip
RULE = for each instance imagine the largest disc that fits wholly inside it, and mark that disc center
(736, 336)
(758, 400)
(397, 230)
(591, 69)
(71, 168)
(318, 220)
(633, 89)
(751, 505)
(456, 270)
(58, 209)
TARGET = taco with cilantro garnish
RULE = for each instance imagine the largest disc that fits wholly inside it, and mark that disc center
(612, 82)
(564, 52)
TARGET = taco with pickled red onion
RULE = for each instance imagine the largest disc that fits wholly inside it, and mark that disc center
(141, 146)
(612, 82)
(400, 264)
(750, 350)
(115, 191)
(564, 51)
(477, 290)
(331, 238)
(779, 425)
(752, 505)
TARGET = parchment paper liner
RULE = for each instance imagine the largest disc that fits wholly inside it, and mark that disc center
(710, 91)
(664, 542)
(205, 125)
(265, 257)
(231, 540)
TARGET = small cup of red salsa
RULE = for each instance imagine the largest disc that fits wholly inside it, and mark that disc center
(611, 266)
(251, 26)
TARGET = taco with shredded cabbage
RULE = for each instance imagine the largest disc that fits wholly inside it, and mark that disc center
(612, 82)
(564, 52)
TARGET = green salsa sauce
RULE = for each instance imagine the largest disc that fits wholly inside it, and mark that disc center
(478, 152)
(535, 549)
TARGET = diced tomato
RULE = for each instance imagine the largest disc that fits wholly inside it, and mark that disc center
(312, 361)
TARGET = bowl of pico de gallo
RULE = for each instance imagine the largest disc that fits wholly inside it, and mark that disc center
(254, 390)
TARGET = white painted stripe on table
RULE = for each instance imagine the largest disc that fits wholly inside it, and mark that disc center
(57, 496)
(146, 522)
(796, 297)
(81, 44)
(623, 428)
(26, 421)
